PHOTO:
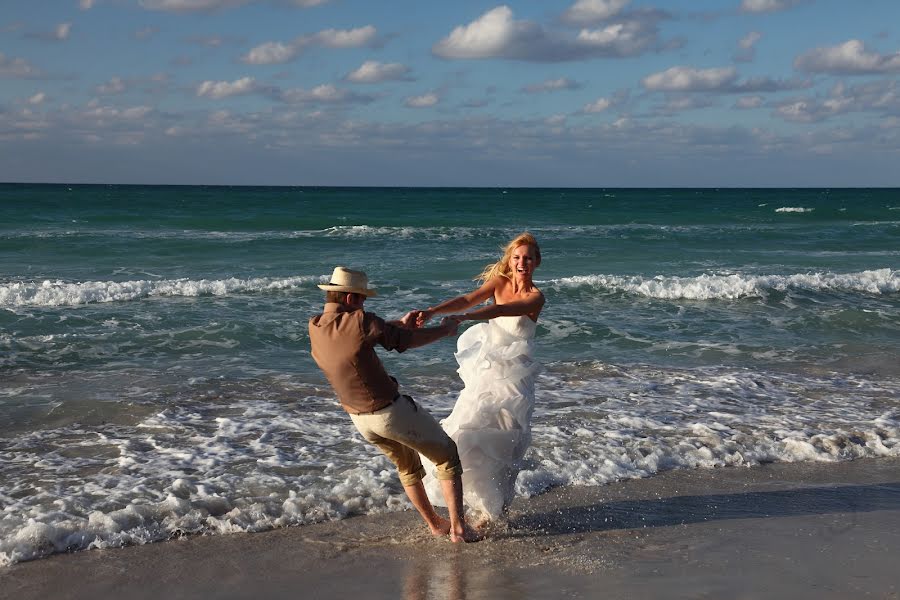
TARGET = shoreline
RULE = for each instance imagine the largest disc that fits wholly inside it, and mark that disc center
(809, 530)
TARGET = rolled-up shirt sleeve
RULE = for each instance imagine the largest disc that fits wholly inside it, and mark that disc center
(391, 337)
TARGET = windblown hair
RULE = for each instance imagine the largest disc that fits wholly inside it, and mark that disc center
(501, 267)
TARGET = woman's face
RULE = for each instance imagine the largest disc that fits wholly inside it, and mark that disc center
(523, 261)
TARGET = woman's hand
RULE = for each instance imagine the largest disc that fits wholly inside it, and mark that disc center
(409, 319)
(422, 317)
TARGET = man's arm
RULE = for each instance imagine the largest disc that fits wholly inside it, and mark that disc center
(426, 335)
(407, 321)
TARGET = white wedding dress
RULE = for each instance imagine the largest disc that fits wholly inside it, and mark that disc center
(491, 421)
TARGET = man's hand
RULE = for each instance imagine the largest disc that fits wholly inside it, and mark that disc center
(450, 324)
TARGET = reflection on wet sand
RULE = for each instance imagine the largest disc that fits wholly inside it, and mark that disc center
(459, 576)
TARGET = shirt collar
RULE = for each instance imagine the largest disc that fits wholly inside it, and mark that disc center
(336, 307)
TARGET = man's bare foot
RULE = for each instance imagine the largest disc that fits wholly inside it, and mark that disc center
(467, 535)
(441, 527)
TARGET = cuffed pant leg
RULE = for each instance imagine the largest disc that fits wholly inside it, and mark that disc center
(405, 458)
(417, 428)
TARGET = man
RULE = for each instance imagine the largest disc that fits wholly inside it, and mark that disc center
(343, 339)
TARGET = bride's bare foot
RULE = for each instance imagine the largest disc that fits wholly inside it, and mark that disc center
(467, 535)
(440, 527)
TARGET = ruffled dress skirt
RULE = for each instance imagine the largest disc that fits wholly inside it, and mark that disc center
(491, 421)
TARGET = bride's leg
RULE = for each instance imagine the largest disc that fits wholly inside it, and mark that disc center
(436, 523)
(453, 496)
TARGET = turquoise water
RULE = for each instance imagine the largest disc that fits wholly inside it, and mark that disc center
(155, 372)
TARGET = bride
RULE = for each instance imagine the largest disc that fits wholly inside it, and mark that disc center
(491, 421)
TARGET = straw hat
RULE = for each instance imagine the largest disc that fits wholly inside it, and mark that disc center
(347, 280)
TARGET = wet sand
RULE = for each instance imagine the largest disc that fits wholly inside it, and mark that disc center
(812, 531)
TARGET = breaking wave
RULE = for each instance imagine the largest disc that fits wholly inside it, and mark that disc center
(733, 286)
(61, 293)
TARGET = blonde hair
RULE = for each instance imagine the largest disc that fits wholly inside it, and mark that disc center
(501, 267)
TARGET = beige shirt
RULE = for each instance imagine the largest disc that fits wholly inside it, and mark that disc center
(343, 345)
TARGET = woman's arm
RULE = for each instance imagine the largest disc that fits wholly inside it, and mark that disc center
(529, 306)
(459, 303)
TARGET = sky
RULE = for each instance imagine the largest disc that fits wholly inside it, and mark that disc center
(573, 93)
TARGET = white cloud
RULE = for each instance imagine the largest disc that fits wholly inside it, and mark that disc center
(38, 98)
(849, 58)
(346, 38)
(747, 102)
(323, 94)
(223, 89)
(687, 79)
(373, 71)
(592, 11)
(113, 86)
(136, 112)
(86, 4)
(107, 113)
(327, 93)
(424, 101)
(16, 68)
(882, 97)
(486, 36)
(598, 105)
(747, 47)
(550, 85)
(190, 5)
(62, 31)
(749, 40)
(271, 53)
(677, 104)
(623, 38)
(763, 6)
(219, 117)
(798, 110)
(556, 120)
(496, 34)
(719, 80)
(210, 5)
(145, 33)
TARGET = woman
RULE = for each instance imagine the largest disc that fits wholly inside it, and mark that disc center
(491, 421)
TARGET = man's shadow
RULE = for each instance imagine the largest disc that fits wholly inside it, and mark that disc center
(678, 510)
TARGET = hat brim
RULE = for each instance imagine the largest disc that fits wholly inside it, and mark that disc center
(350, 290)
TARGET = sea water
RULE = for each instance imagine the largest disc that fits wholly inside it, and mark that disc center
(156, 379)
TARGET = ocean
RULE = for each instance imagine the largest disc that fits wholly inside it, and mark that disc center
(156, 380)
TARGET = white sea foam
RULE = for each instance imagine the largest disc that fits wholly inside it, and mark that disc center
(406, 232)
(793, 209)
(733, 286)
(249, 465)
(61, 293)
(647, 420)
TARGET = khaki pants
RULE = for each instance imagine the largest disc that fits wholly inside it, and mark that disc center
(403, 430)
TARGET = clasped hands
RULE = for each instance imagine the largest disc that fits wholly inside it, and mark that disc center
(416, 319)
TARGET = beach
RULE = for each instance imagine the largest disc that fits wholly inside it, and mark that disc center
(164, 427)
(805, 530)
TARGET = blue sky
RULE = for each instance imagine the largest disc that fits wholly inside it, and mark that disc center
(601, 93)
